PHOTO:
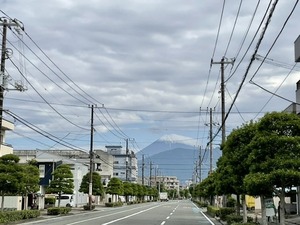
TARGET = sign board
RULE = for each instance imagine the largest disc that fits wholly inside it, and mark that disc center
(297, 49)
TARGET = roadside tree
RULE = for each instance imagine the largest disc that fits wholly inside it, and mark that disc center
(10, 176)
(275, 158)
(30, 180)
(62, 182)
(128, 190)
(233, 166)
(97, 187)
(115, 188)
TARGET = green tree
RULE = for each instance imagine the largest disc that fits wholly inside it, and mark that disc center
(10, 176)
(128, 190)
(274, 158)
(62, 181)
(207, 188)
(232, 166)
(115, 187)
(30, 180)
(97, 186)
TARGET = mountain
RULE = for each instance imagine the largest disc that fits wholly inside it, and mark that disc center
(175, 155)
(165, 143)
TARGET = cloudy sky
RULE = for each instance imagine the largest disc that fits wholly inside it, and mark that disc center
(146, 67)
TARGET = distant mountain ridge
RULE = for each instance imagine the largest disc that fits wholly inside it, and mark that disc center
(165, 143)
(175, 155)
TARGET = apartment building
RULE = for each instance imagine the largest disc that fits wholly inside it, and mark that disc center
(5, 148)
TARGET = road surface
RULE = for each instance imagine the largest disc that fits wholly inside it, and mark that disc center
(156, 213)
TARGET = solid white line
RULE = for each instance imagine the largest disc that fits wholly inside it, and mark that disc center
(125, 217)
(209, 220)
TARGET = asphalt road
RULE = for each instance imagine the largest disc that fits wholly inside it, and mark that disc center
(172, 212)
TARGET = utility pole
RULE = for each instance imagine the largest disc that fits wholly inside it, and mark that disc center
(5, 23)
(200, 164)
(210, 141)
(222, 62)
(91, 159)
(127, 163)
(143, 168)
(150, 174)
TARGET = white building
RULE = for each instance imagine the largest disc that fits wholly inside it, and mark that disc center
(295, 107)
(47, 163)
(4, 147)
(169, 182)
(124, 163)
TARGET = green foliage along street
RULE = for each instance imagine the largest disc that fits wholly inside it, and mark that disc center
(259, 159)
(17, 178)
(97, 188)
(62, 182)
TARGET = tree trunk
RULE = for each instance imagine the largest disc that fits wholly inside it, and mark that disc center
(244, 209)
(238, 204)
(281, 208)
(59, 196)
(263, 210)
(2, 201)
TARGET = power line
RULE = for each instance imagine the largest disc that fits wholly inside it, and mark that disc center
(42, 132)
(46, 100)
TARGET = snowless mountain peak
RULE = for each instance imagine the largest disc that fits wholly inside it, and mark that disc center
(174, 138)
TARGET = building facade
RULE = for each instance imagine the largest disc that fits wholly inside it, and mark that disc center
(4, 147)
(124, 163)
(295, 106)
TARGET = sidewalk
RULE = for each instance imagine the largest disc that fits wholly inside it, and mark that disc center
(289, 220)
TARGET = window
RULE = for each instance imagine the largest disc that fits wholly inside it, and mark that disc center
(42, 171)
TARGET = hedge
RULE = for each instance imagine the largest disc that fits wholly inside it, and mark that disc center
(234, 219)
(113, 204)
(13, 216)
(87, 207)
(225, 211)
(58, 210)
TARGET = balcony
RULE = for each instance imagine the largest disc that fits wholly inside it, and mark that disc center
(7, 125)
(5, 149)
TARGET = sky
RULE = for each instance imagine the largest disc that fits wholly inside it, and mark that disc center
(148, 68)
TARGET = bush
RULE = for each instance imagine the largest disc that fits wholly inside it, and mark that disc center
(213, 211)
(87, 207)
(13, 216)
(50, 201)
(113, 204)
(58, 210)
(248, 223)
(225, 211)
(231, 202)
(233, 219)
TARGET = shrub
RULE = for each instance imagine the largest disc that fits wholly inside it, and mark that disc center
(231, 202)
(50, 201)
(233, 219)
(13, 216)
(248, 223)
(213, 211)
(225, 211)
(87, 207)
(113, 204)
(58, 210)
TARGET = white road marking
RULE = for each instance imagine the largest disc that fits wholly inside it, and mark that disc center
(125, 217)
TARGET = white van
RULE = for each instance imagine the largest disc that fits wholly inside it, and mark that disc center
(65, 200)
